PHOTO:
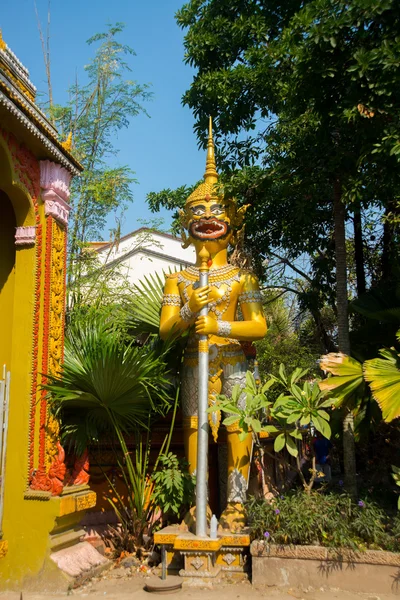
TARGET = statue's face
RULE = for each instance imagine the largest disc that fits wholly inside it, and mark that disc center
(208, 222)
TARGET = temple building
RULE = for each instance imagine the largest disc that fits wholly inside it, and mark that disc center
(41, 504)
(144, 252)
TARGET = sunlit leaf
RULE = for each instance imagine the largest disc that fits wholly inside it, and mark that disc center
(383, 375)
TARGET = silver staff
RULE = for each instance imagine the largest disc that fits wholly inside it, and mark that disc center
(202, 439)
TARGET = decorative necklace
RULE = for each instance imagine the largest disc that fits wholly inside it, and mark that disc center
(225, 275)
(214, 273)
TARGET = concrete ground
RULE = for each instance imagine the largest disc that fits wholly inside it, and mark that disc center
(114, 586)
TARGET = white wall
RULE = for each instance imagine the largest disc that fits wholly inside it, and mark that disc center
(146, 252)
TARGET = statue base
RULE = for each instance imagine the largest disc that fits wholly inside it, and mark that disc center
(189, 556)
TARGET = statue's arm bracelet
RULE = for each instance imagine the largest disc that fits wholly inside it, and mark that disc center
(247, 297)
(224, 329)
(171, 300)
(186, 314)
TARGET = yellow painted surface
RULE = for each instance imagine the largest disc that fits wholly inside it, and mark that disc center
(27, 523)
(239, 453)
(190, 443)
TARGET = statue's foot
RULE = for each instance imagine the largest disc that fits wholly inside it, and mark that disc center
(189, 522)
(233, 518)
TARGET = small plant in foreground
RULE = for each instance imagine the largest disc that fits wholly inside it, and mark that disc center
(173, 485)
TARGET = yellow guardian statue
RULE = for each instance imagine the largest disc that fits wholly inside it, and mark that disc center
(211, 223)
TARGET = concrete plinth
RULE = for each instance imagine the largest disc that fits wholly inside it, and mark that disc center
(372, 571)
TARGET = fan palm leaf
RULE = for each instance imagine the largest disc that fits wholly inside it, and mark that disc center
(383, 376)
(107, 383)
(347, 381)
(146, 304)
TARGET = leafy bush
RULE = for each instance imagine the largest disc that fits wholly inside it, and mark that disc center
(298, 410)
(173, 485)
(323, 519)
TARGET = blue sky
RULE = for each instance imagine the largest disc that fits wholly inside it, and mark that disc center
(162, 149)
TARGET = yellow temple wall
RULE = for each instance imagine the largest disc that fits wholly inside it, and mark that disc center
(30, 516)
(26, 523)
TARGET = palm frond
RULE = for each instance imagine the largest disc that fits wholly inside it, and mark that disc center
(146, 305)
(347, 377)
(383, 376)
(106, 380)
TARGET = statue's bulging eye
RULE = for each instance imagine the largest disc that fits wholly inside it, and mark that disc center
(218, 211)
(198, 210)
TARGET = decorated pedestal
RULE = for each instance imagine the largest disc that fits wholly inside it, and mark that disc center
(186, 554)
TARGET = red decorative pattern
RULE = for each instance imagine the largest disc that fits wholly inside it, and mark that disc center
(57, 472)
(27, 172)
(36, 320)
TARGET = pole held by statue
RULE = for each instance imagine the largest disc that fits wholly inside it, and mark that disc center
(202, 440)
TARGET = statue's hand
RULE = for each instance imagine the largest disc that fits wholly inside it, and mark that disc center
(206, 326)
(199, 298)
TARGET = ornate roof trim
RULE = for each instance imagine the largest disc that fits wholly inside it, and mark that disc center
(52, 146)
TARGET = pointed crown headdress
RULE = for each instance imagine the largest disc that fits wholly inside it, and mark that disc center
(208, 189)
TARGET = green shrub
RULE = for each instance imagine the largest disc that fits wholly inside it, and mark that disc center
(173, 486)
(323, 519)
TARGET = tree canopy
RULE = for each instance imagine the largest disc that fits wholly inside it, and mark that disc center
(304, 97)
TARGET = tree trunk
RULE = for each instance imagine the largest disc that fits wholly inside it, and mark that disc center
(326, 342)
(359, 251)
(339, 215)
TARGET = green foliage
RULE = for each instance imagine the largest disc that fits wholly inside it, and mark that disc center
(303, 95)
(138, 513)
(283, 343)
(301, 405)
(383, 376)
(325, 519)
(146, 305)
(250, 414)
(173, 485)
(347, 383)
(107, 384)
(396, 477)
(298, 408)
(97, 110)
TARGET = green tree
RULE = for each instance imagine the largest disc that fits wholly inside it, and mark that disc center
(283, 343)
(96, 111)
(305, 100)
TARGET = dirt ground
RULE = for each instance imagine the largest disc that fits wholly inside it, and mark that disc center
(115, 586)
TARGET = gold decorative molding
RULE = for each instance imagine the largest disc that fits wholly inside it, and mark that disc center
(234, 427)
(203, 346)
(86, 501)
(235, 540)
(191, 422)
(191, 542)
(71, 503)
(165, 538)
